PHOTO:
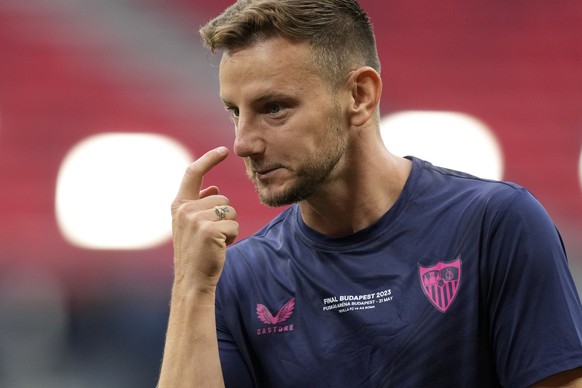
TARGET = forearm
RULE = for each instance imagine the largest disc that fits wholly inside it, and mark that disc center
(191, 351)
(203, 224)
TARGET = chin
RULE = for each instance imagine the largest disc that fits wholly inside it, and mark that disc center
(271, 200)
(277, 198)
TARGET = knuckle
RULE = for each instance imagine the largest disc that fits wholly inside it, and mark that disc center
(180, 208)
(206, 228)
(221, 200)
(192, 169)
(176, 206)
(186, 213)
(192, 216)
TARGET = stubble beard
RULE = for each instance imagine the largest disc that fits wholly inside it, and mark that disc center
(309, 177)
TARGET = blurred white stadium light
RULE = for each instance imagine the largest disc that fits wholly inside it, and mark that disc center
(114, 190)
(447, 139)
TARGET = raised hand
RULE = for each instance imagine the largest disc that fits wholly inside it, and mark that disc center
(203, 224)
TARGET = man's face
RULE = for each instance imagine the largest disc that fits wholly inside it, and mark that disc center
(289, 126)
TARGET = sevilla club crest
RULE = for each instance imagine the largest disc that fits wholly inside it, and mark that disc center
(440, 283)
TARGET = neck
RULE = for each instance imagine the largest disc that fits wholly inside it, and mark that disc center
(367, 185)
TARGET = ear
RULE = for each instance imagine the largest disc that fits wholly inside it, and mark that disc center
(366, 89)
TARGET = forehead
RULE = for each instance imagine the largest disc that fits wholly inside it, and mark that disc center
(274, 65)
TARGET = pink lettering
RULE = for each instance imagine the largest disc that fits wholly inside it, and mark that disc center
(275, 329)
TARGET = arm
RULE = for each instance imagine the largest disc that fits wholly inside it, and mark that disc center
(200, 239)
(568, 379)
(191, 349)
(534, 307)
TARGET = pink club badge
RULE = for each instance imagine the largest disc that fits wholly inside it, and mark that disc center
(440, 283)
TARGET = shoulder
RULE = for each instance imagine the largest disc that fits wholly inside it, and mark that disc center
(459, 180)
(438, 186)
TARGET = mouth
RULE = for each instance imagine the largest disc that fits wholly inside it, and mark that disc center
(266, 172)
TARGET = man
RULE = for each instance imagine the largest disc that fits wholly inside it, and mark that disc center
(385, 271)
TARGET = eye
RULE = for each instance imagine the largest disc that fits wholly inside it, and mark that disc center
(273, 108)
(234, 112)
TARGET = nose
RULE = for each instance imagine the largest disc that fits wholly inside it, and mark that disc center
(248, 140)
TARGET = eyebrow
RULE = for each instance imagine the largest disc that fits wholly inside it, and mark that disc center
(225, 102)
(262, 99)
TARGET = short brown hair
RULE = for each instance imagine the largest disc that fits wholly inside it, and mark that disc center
(339, 31)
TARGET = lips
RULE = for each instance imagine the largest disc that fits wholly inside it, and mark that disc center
(266, 172)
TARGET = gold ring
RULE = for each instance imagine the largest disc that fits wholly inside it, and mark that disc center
(221, 212)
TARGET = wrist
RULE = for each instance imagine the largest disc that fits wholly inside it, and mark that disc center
(193, 293)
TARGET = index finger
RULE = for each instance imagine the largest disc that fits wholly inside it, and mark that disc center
(192, 180)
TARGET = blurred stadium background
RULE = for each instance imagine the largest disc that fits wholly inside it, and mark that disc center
(103, 103)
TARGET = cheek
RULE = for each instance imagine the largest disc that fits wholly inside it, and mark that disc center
(305, 133)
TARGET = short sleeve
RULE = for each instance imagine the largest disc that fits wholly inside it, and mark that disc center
(534, 308)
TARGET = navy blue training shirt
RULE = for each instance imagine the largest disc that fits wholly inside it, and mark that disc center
(462, 283)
